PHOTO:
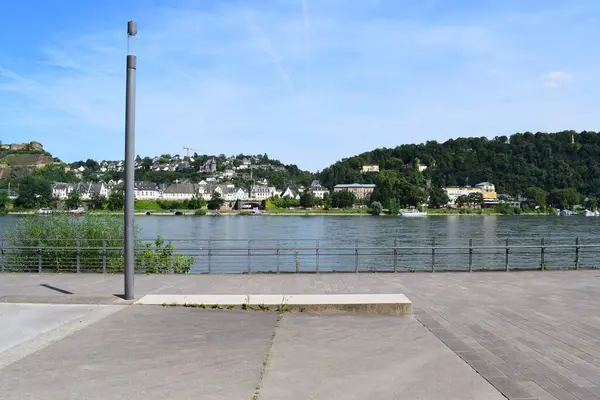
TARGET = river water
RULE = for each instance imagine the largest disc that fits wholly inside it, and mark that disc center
(366, 243)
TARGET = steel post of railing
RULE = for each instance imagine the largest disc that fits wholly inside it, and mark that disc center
(356, 255)
(278, 258)
(577, 252)
(471, 255)
(249, 255)
(506, 256)
(395, 261)
(39, 251)
(104, 256)
(433, 255)
(2, 261)
(170, 266)
(209, 257)
(78, 257)
(542, 255)
(317, 266)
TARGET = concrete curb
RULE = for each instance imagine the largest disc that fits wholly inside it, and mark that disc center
(381, 304)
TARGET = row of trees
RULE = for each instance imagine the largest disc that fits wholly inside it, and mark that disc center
(549, 161)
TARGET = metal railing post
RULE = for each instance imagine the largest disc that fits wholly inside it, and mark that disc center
(170, 266)
(471, 255)
(104, 256)
(39, 256)
(278, 258)
(2, 255)
(577, 252)
(78, 257)
(506, 256)
(395, 261)
(317, 255)
(209, 256)
(433, 255)
(249, 254)
(356, 255)
(542, 255)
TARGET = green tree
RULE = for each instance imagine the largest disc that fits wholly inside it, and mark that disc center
(564, 198)
(34, 193)
(342, 199)
(590, 203)
(306, 200)
(97, 202)
(393, 207)
(215, 202)
(475, 199)
(376, 208)
(438, 198)
(116, 200)
(73, 200)
(3, 198)
(536, 197)
(462, 201)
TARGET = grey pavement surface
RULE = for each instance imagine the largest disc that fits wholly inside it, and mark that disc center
(149, 352)
(533, 335)
(351, 357)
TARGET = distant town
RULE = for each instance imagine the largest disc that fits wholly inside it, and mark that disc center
(30, 178)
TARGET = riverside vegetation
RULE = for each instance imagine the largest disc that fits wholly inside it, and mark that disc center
(57, 243)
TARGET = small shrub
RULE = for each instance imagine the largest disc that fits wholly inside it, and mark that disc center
(201, 211)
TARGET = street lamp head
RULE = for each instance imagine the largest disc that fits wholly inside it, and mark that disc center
(131, 28)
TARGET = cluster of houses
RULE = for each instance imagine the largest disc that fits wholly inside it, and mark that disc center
(180, 191)
(486, 189)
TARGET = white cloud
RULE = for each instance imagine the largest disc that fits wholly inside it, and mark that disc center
(555, 79)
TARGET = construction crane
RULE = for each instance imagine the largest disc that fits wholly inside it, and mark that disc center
(188, 148)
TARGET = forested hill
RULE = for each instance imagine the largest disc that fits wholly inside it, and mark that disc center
(548, 160)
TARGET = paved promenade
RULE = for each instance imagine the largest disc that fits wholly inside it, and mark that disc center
(526, 335)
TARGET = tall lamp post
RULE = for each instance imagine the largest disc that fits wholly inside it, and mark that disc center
(129, 167)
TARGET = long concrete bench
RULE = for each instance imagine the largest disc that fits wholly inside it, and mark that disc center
(383, 304)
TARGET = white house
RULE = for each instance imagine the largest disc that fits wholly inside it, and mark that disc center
(288, 192)
(317, 190)
(179, 192)
(261, 192)
(143, 190)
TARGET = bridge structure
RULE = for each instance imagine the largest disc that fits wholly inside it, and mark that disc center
(248, 204)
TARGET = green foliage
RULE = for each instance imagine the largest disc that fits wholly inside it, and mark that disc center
(97, 202)
(306, 200)
(201, 211)
(507, 209)
(393, 207)
(34, 193)
(407, 190)
(546, 160)
(536, 197)
(162, 259)
(564, 198)
(147, 205)
(215, 202)
(73, 200)
(116, 200)
(281, 202)
(54, 240)
(3, 198)
(54, 173)
(475, 199)
(342, 199)
(438, 198)
(376, 208)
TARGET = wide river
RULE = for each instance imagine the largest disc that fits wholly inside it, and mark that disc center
(220, 244)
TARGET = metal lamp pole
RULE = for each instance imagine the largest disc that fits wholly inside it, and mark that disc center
(129, 167)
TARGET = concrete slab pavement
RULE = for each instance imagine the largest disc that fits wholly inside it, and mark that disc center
(318, 356)
(149, 353)
(27, 328)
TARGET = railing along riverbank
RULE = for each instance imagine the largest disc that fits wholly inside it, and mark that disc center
(305, 255)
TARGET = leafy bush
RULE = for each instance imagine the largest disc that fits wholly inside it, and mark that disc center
(201, 211)
(376, 208)
(58, 243)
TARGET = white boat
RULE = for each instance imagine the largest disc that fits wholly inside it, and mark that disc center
(44, 211)
(413, 213)
(77, 211)
(589, 213)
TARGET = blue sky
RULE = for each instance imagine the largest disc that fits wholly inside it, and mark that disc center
(306, 81)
